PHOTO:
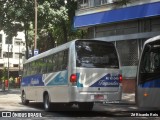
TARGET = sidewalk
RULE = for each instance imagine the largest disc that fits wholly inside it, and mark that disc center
(10, 91)
(128, 98)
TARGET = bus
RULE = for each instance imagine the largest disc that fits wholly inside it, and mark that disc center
(148, 77)
(80, 72)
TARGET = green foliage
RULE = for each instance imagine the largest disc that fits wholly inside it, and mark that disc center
(55, 19)
(4, 74)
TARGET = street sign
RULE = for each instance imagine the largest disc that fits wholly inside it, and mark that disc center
(36, 52)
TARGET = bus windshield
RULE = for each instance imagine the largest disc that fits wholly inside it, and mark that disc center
(96, 54)
(150, 63)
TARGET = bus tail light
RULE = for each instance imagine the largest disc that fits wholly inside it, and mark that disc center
(120, 78)
(73, 78)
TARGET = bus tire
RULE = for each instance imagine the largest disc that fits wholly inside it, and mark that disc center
(47, 103)
(23, 99)
(85, 106)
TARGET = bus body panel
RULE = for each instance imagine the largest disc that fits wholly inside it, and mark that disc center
(104, 79)
(57, 84)
(89, 96)
(148, 75)
(151, 99)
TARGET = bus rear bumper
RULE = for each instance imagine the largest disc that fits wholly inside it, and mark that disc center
(107, 97)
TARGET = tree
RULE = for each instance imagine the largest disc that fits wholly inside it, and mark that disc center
(55, 19)
(16, 15)
(53, 22)
(4, 77)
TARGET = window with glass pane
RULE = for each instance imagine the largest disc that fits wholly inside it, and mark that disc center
(150, 63)
(8, 41)
(0, 38)
(6, 55)
(93, 54)
(49, 64)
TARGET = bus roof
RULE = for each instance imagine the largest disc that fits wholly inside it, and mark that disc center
(54, 50)
(49, 52)
(152, 39)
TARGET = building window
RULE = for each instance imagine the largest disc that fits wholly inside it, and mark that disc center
(5, 54)
(83, 3)
(18, 55)
(15, 65)
(8, 41)
(1, 65)
(92, 3)
(0, 38)
(17, 41)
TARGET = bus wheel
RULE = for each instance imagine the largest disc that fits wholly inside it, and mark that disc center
(85, 106)
(23, 99)
(47, 103)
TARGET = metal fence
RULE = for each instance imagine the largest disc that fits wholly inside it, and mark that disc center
(128, 52)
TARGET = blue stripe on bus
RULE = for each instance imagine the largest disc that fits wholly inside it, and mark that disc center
(151, 84)
(60, 79)
(107, 81)
(33, 80)
(78, 83)
(36, 80)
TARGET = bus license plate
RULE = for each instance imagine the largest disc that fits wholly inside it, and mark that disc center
(99, 97)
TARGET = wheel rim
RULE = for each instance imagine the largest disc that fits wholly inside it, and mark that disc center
(23, 97)
(46, 102)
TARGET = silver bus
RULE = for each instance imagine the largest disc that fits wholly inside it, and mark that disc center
(79, 72)
(148, 78)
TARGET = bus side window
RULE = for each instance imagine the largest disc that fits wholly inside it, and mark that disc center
(54, 62)
(45, 65)
(28, 69)
(60, 60)
(39, 67)
(65, 60)
(25, 70)
(33, 67)
(49, 64)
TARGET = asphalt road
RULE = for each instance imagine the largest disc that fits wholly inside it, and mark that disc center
(10, 101)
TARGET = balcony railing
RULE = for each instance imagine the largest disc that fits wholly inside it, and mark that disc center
(92, 3)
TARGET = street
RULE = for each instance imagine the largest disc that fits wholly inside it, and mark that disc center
(10, 101)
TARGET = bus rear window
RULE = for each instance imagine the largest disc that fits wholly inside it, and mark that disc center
(96, 54)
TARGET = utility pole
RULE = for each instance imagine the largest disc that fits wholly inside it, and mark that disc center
(35, 31)
(19, 58)
(8, 65)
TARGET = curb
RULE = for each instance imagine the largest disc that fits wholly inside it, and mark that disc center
(10, 91)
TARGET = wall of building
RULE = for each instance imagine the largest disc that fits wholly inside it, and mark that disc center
(129, 48)
(16, 49)
(127, 35)
(93, 6)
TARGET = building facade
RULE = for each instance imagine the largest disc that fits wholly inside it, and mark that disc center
(127, 26)
(11, 53)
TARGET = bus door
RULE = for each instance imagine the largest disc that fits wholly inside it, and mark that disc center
(97, 66)
(148, 79)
